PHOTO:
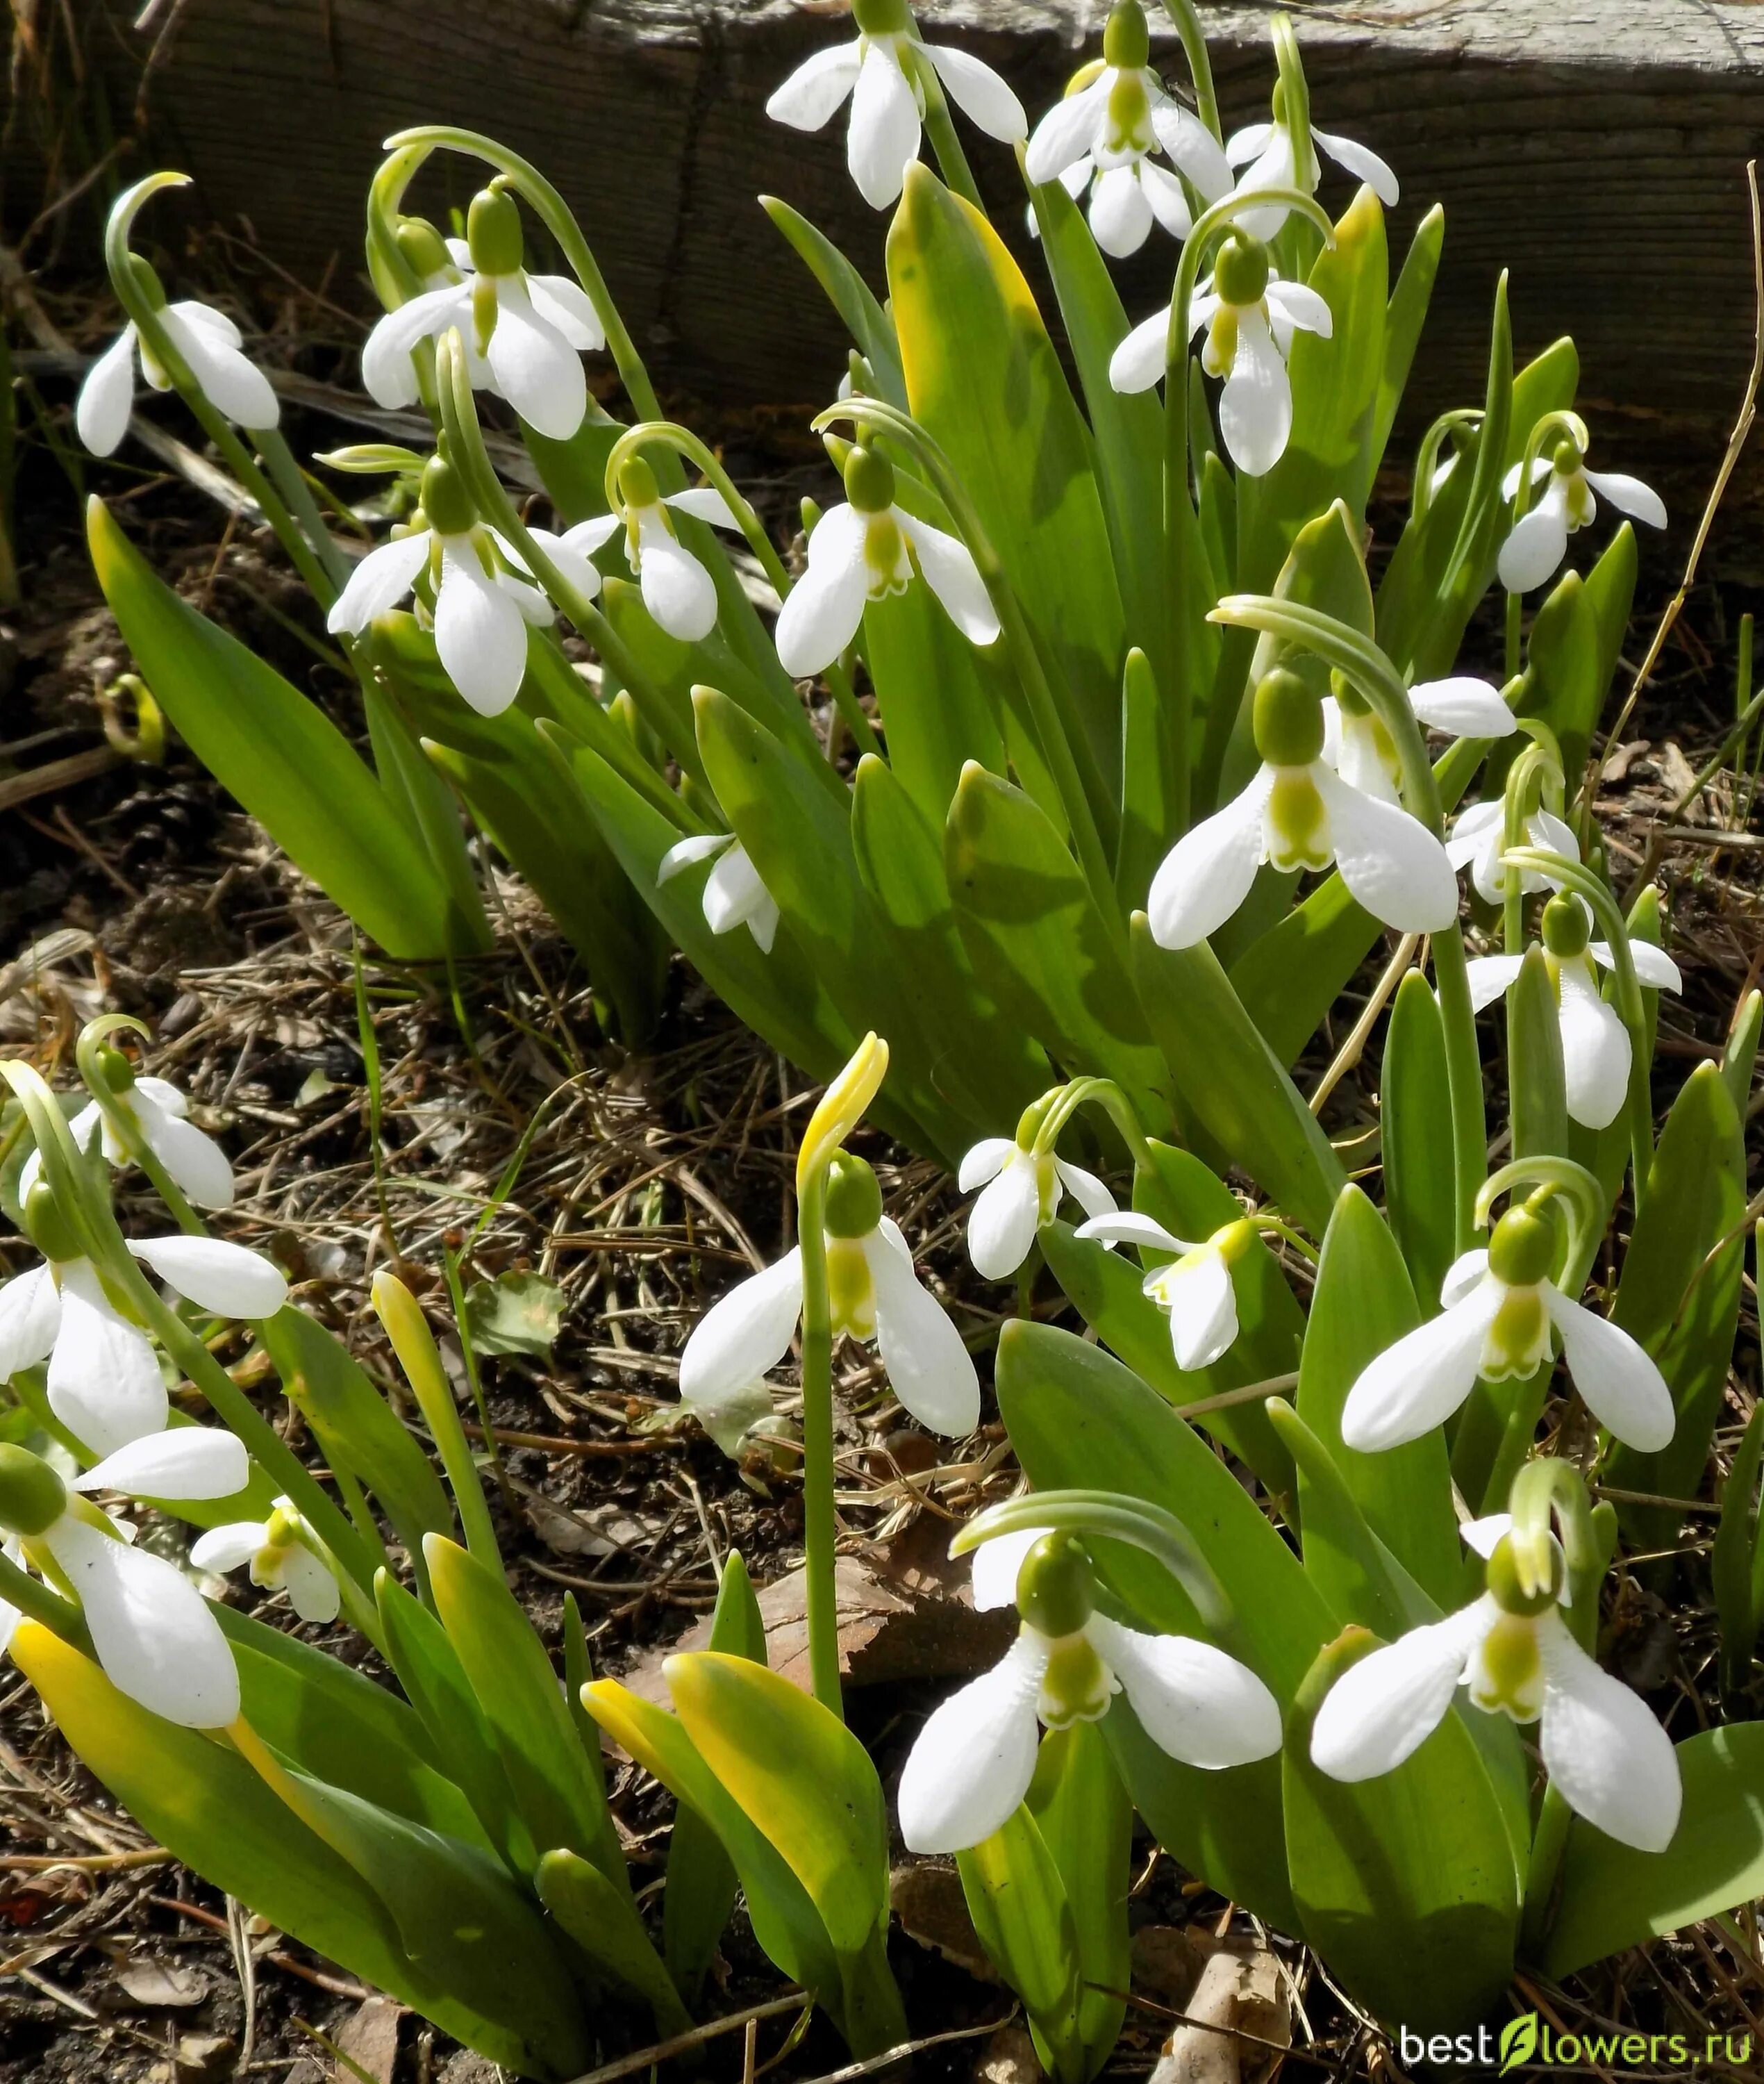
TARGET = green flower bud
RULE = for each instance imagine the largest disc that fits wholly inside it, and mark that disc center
(854, 1204)
(1523, 1248)
(33, 1497)
(148, 282)
(48, 1229)
(1127, 42)
(115, 1069)
(1565, 927)
(882, 17)
(494, 232)
(637, 486)
(1287, 720)
(1504, 1581)
(424, 249)
(870, 480)
(1566, 458)
(446, 501)
(1240, 270)
(1057, 1586)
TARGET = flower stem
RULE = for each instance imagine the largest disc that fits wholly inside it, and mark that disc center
(819, 1528)
(1183, 14)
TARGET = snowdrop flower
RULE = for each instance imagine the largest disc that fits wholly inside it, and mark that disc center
(1020, 1188)
(525, 332)
(279, 1560)
(388, 366)
(1356, 744)
(197, 1164)
(1114, 116)
(153, 1633)
(1269, 156)
(1609, 1759)
(1539, 539)
(680, 594)
(1479, 839)
(875, 1294)
(210, 345)
(865, 550)
(13, 1549)
(733, 895)
(1498, 1308)
(1250, 316)
(974, 1758)
(881, 72)
(1596, 1048)
(104, 1384)
(1298, 812)
(1195, 1287)
(482, 607)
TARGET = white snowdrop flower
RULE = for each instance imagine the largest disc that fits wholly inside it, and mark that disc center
(1479, 837)
(388, 366)
(104, 1383)
(875, 1294)
(1195, 1289)
(1538, 540)
(1115, 115)
(1298, 812)
(483, 601)
(198, 1165)
(1596, 1047)
(1609, 1759)
(1250, 316)
(153, 1632)
(13, 1549)
(1019, 1190)
(213, 351)
(1359, 748)
(880, 72)
(525, 333)
(1500, 1308)
(680, 594)
(280, 1558)
(974, 1758)
(865, 550)
(1269, 156)
(733, 895)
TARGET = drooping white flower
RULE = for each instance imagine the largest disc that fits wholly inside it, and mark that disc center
(1250, 316)
(482, 603)
(280, 1558)
(1538, 540)
(1195, 1287)
(1269, 158)
(1298, 812)
(198, 1165)
(213, 350)
(1607, 1756)
(1498, 1308)
(1479, 837)
(1356, 744)
(104, 1383)
(880, 71)
(1596, 1053)
(680, 594)
(153, 1632)
(733, 895)
(864, 551)
(388, 366)
(1115, 115)
(973, 1761)
(875, 1294)
(1020, 1191)
(528, 332)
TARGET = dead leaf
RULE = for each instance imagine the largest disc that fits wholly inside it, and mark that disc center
(204, 2055)
(927, 1898)
(1008, 2057)
(1239, 2001)
(165, 1984)
(1620, 758)
(601, 1530)
(370, 2037)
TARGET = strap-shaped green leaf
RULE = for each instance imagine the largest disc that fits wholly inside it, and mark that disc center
(596, 1916)
(1023, 1919)
(1537, 1082)
(936, 707)
(1085, 1818)
(1405, 316)
(1420, 1202)
(850, 295)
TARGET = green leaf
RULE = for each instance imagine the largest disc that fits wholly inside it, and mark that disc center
(574, 472)
(280, 757)
(1024, 1921)
(1610, 593)
(1538, 1091)
(421, 800)
(1404, 317)
(516, 1313)
(1086, 1823)
(1739, 1060)
(936, 710)
(850, 295)
(1733, 1559)
(1150, 781)
(1420, 1197)
(596, 1916)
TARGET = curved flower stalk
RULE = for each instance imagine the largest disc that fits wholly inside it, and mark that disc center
(151, 1629)
(1021, 1181)
(680, 594)
(733, 894)
(1538, 540)
(1250, 316)
(282, 1558)
(974, 1758)
(1195, 1289)
(1499, 1310)
(1606, 1756)
(865, 549)
(1356, 744)
(213, 348)
(159, 1115)
(104, 1380)
(1298, 812)
(1114, 116)
(1477, 839)
(1268, 154)
(1597, 1051)
(880, 71)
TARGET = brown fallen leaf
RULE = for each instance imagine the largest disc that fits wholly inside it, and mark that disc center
(1008, 2057)
(165, 1984)
(1239, 2001)
(927, 1898)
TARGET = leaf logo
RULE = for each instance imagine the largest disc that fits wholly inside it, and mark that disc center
(1518, 2041)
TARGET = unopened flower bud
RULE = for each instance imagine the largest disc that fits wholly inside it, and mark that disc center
(32, 1496)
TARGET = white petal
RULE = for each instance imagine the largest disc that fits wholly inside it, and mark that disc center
(1466, 707)
(1536, 544)
(1491, 977)
(687, 853)
(1194, 1702)
(1003, 1221)
(929, 1369)
(1120, 212)
(808, 99)
(206, 319)
(225, 1279)
(593, 534)
(1255, 408)
(1483, 1536)
(233, 385)
(680, 594)
(1540, 468)
(883, 139)
(479, 632)
(734, 893)
(30, 1315)
(1629, 495)
(1085, 1188)
(388, 375)
(822, 611)
(1389, 860)
(1471, 831)
(1654, 967)
(744, 1335)
(1207, 874)
(1203, 1309)
(1464, 1274)
(978, 92)
(1611, 1762)
(153, 1631)
(996, 1564)
(975, 1757)
(1248, 143)
(1068, 131)
(562, 301)
(1420, 1381)
(1351, 746)
(984, 1161)
(1167, 197)
(1301, 306)
(85, 1127)
(312, 1591)
(379, 581)
(184, 1461)
(1596, 1050)
(1362, 163)
(536, 368)
(163, 1094)
(704, 502)
(196, 1162)
(1274, 167)
(104, 1384)
(1140, 360)
(1383, 1709)
(108, 395)
(1192, 147)
(953, 576)
(224, 1548)
(1128, 1227)
(1622, 1386)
